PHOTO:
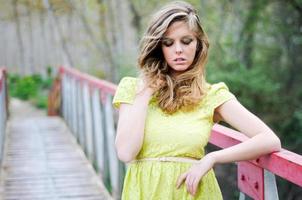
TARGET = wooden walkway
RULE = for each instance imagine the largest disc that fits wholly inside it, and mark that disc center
(43, 161)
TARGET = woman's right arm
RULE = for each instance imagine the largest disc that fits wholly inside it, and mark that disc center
(131, 124)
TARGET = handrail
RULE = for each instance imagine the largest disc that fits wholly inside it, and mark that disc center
(105, 86)
(256, 177)
(3, 109)
(289, 162)
(86, 107)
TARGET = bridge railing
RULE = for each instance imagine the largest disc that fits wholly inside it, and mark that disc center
(85, 104)
(256, 178)
(3, 110)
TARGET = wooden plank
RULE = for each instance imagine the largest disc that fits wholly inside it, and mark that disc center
(44, 161)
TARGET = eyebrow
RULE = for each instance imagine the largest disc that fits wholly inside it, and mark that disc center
(186, 36)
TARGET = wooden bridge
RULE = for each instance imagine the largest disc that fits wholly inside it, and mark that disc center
(70, 153)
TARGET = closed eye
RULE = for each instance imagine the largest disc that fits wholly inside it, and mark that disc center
(186, 41)
(167, 42)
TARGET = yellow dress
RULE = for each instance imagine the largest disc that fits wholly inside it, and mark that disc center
(182, 134)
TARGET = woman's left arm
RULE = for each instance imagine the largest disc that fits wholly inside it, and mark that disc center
(262, 141)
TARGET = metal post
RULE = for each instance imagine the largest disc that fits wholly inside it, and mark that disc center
(88, 122)
(2, 119)
(242, 196)
(3, 115)
(98, 131)
(68, 101)
(270, 186)
(74, 106)
(110, 136)
(81, 124)
(63, 98)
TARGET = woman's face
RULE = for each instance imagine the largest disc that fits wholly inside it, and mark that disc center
(179, 47)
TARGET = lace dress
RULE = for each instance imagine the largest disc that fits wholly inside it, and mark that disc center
(182, 134)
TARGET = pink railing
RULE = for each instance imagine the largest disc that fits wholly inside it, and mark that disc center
(255, 178)
(86, 106)
(85, 103)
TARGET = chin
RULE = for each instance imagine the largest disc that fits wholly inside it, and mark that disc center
(180, 68)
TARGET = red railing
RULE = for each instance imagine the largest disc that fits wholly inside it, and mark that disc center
(54, 97)
(255, 178)
(85, 105)
(251, 174)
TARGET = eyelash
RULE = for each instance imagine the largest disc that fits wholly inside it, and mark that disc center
(187, 41)
(184, 41)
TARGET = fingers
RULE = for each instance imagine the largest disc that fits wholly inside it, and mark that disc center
(180, 179)
(195, 185)
(191, 182)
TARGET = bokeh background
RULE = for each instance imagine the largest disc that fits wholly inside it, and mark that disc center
(255, 48)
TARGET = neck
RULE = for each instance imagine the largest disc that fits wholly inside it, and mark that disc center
(175, 74)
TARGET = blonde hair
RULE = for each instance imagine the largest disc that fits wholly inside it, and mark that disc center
(187, 90)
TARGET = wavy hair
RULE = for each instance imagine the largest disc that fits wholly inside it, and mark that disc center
(187, 90)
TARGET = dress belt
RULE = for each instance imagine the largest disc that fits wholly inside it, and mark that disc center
(168, 159)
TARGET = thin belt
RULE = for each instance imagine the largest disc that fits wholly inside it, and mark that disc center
(167, 159)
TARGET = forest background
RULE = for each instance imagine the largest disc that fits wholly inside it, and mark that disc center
(255, 48)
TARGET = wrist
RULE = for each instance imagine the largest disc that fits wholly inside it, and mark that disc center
(213, 157)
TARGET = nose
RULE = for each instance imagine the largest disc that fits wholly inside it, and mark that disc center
(178, 48)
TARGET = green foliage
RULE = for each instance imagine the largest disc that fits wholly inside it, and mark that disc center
(252, 87)
(292, 127)
(24, 87)
(128, 71)
(33, 88)
(41, 101)
(98, 73)
(126, 66)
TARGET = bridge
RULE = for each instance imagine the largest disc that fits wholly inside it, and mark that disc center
(70, 154)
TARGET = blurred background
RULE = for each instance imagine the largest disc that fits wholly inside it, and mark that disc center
(255, 48)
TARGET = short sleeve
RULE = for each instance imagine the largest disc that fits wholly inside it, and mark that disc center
(218, 94)
(125, 92)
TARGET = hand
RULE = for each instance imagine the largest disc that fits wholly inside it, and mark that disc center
(193, 176)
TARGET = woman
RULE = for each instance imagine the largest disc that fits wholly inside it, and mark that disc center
(166, 115)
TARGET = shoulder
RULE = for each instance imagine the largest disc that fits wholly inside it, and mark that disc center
(218, 93)
(125, 91)
(127, 83)
(128, 80)
(216, 87)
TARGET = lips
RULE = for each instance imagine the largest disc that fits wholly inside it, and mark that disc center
(179, 59)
